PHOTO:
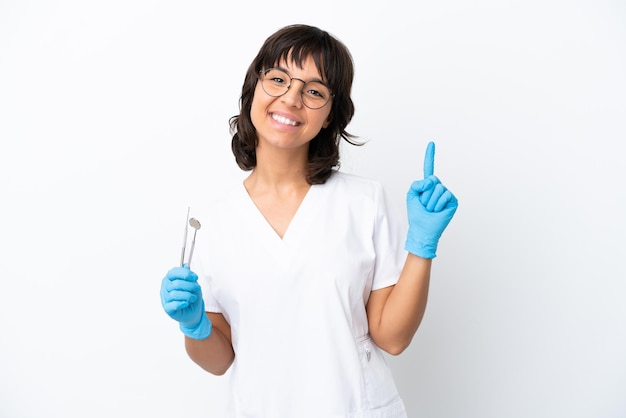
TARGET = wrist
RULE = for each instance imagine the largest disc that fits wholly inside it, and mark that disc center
(200, 330)
(419, 248)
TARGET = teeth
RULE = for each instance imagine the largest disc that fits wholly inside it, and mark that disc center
(284, 120)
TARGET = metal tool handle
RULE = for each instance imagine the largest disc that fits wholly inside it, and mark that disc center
(182, 253)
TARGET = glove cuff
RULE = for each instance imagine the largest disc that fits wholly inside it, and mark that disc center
(420, 249)
(200, 331)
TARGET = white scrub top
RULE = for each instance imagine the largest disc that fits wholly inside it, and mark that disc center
(296, 305)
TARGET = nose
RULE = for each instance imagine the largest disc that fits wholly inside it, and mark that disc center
(293, 96)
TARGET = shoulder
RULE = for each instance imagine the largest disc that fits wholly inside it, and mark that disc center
(355, 193)
(355, 184)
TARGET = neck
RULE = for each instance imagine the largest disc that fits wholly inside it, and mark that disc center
(280, 168)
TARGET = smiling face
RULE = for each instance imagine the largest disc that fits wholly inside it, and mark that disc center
(284, 122)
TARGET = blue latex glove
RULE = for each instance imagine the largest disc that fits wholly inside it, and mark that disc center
(181, 297)
(430, 207)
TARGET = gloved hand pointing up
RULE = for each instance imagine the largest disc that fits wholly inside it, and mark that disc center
(430, 207)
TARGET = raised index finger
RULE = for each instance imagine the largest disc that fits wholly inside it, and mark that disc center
(429, 160)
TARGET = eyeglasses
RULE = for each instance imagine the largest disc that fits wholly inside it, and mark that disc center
(275, 82)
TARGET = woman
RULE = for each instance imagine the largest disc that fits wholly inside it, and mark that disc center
(304, 280)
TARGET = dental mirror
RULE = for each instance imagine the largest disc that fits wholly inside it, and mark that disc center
(195, 224)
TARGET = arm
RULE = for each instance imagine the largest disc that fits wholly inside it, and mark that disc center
(207, 335)
(395, 312)
(214, 354)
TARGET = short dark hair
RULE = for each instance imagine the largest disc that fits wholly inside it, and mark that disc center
(334, 62)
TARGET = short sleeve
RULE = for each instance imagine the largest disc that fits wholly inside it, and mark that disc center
(388, 247)
(210, 303)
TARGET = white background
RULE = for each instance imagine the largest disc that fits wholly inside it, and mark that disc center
(114, 118)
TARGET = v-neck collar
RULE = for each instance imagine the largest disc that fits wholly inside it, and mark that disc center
(298, 225)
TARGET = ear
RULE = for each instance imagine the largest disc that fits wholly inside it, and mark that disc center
(327, 121)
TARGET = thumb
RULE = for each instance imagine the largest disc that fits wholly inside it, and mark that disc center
(421, 186)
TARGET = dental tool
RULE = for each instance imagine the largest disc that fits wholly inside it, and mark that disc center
(182, 254)
(195, 224)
